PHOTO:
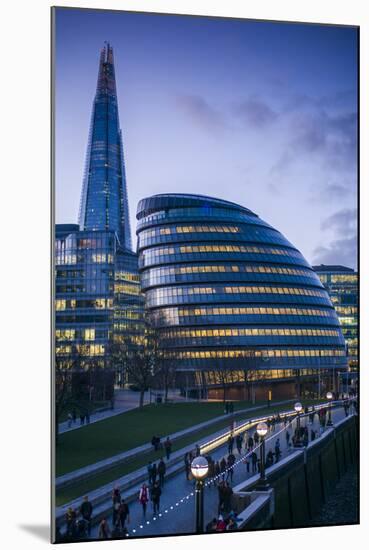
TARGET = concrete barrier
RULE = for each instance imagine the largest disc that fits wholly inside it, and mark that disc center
(302, 481)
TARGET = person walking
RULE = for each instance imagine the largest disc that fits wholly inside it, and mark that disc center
(239, 443)
(154, 473)
(71, 517)
(70, 419)
(227, 497)
(277, 450)
(230, 464)
(250, 443)
(104, 530)
(269, 459)
(211, 527)
(221, 488)
(117, 499)
(211, 472)
(221, 525)
(123, 515)
(216, 470)
(143, 498)
(223, 466)
(254, 461)
(86, 509)
(230, 444)
(288, 437)
(161, 472)
(187, 463)
(168, 447)
(247, 462)
(155, 497)
(256, 437)
(149, 472)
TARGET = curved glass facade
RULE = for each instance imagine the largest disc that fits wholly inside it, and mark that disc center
(228, 291)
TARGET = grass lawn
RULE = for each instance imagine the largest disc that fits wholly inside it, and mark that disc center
(83, 487)
(125, 431)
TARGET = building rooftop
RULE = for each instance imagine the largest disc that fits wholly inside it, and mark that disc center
(163, 201)
(333, 268)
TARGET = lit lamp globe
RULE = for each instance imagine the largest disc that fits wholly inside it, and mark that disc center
(262, 429)
(199, 467)
(329, 395)
(298, 407)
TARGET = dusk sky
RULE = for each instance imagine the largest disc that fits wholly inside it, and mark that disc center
(262, 114)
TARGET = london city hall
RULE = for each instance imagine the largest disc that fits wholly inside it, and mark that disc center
(237, 307)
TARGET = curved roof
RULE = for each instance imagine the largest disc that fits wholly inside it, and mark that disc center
(164, 201)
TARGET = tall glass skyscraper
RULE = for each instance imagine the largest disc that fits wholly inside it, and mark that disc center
(234, 300)
(104, 202)
(97, 283)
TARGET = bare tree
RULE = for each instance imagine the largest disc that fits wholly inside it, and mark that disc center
(63, 385)
(137, 356)
(165, 374)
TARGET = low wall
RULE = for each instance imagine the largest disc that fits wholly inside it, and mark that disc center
(302, 481)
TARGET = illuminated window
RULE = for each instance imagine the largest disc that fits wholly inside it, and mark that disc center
(89, 334)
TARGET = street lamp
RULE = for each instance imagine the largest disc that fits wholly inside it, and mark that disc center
(298, 409)
(199, 470)
(262, 430)
(329, 397)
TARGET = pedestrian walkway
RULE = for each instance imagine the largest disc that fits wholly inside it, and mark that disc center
(91, 469)
(177, 507)
(178, 491)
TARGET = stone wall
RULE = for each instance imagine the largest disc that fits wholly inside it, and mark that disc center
(303, 481)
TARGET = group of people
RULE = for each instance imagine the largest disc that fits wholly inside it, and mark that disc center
(228, 407)
(158, 445)
(220, 475)
(83, 417)
(222, 524)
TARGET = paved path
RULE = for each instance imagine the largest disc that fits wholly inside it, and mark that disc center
(177, 501)
(90, 469)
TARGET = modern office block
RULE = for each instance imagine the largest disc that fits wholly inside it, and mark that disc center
(97, 283)
(341, 284)
(235, 303)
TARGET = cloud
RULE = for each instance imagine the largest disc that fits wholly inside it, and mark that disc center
(340, 251)
(343, 222)
(343, 248)
(329, 141)
(337, 100)
(199, 110)
(254, 112)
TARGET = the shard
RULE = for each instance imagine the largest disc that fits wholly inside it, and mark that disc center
(104, 203)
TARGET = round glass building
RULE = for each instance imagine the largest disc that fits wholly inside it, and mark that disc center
(237, 306)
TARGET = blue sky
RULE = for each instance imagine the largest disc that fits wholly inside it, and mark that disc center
(260, 113)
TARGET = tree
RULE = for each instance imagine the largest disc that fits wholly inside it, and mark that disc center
(137, 357)
(64, 369)
(165, 368)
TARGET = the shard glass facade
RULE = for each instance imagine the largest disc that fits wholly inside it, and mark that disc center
(104, 203)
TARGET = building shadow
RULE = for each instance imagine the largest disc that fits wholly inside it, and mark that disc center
(39, 531)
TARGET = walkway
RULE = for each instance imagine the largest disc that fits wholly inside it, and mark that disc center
(177, 502)
(106, 463)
